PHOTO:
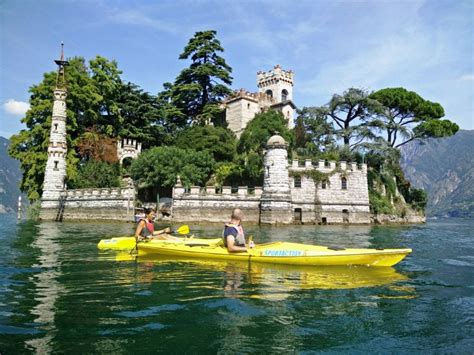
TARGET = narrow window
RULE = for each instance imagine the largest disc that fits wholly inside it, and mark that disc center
(284, 95)
(248, 106)
(297, 181)
(55, 127)
(269, 93)
(344, 183)
(56, 165)
(323, 184)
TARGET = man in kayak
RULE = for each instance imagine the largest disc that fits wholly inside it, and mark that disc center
(146, 228)
(234, 237)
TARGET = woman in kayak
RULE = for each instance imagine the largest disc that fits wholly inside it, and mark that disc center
(234, 237)
(146, 228)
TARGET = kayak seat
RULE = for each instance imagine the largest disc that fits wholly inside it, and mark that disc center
(336, 248)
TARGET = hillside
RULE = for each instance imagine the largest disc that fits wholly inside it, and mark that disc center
(10, 177)
(444, 168)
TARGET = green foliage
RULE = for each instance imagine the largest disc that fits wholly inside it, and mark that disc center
(198, 89)
(407, 116)
(261, 128)
(33, 211)
(160, 166)
(218, 141)
(318, 132)
(94, 173)
(314, 174)
(347, 116)
(379, 204)
(30, 145)
(418, 198)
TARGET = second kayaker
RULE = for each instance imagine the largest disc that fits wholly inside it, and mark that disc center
(233, 234)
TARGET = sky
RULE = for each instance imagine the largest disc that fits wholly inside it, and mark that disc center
(331, 45)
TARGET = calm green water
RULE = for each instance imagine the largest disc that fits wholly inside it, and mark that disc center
(59, 294)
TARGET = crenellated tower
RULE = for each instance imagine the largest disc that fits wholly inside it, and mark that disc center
(278, 84)
(55, 173)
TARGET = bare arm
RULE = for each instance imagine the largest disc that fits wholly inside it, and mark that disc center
(232, 247)
(139, 229)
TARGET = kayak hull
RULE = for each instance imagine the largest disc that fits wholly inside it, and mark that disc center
(281, 253)
(127, 243)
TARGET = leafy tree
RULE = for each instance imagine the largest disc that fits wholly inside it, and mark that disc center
(93, 173)
(407, 116)
(30, 145)
(218, 141)
(141, 117)
(160, 166)
(198, 89)
(319, 133)
(261, 128)
(350, 113)
(92, 145)
(105, 75)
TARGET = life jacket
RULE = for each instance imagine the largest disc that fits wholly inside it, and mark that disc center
(147, 229)
(239, 239)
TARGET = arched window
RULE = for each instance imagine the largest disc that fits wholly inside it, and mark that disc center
(269, 93)
(284, 95)
(344, 183)
(324, 184)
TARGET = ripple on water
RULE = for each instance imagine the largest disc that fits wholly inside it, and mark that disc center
(455, 262)
(151, 311)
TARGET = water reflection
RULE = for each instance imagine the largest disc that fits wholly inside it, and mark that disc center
(47, 289)
(266, 281)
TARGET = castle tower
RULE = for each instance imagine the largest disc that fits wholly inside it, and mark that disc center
(276, 197)
(278, 84)
(128, 148)
(55, 173)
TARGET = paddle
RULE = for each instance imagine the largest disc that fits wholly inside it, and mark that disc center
(184, 229)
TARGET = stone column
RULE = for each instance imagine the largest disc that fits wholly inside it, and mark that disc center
(55, 173)
(275, 202)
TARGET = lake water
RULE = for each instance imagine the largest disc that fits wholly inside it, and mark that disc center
(60, 294)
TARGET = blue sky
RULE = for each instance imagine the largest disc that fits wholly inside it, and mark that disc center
(331, 45)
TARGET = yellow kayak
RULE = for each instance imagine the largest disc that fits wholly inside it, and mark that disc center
(127, 243)
(278, 253)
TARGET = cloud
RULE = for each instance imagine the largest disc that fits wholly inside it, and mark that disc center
(137, 17)
(14, 107)
(467, 77)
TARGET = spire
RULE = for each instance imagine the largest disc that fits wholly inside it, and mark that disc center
(60, 78)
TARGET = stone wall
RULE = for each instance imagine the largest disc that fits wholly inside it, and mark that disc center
(113, 204)
(327, 201)
(206, 205)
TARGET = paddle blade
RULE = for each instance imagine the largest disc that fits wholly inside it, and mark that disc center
(183, 229)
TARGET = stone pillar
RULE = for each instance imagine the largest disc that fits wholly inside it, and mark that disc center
(55, 173)
(276, 196)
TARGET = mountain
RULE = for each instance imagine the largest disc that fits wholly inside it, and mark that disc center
(10, 177)
(444, 168)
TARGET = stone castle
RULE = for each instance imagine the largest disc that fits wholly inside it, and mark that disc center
(290, 193)
(275, 91)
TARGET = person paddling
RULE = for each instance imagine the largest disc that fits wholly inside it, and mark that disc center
(146, 229)
(233, 234)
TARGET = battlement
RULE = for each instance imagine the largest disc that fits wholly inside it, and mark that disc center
(100, 193)
(128, 148)
(216, 191)
(274, 75)
(326, 165)
(258, 97)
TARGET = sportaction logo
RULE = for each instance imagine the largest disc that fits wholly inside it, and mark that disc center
(282, 253)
